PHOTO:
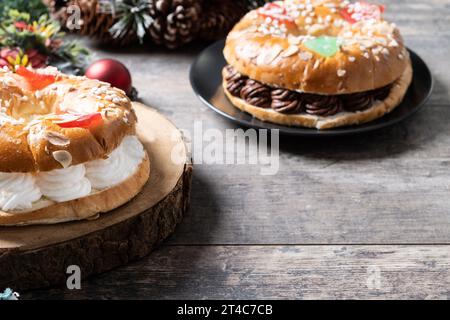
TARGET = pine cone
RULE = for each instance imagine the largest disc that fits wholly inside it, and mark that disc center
(219, 17)
(252, 4)
(175, 22)
(58, 9)
(97, 18)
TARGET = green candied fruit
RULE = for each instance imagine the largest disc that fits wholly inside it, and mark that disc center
(325, 46)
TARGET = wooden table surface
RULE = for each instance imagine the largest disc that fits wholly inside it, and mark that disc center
(356, 217)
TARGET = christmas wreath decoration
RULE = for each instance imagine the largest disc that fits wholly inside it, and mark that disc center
(29, 37)
(171, 23)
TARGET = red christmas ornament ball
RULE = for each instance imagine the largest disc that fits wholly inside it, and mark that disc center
(111, 71)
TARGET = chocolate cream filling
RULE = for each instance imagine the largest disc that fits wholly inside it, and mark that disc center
(293, 102)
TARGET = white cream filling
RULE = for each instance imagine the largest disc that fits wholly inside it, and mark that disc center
(64, 184)
(18, 191)
(120, 164)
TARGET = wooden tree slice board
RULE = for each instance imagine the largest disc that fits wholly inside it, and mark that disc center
(38, 256)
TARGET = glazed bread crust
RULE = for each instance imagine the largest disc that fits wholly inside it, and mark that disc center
(371, 53)
(31, 139)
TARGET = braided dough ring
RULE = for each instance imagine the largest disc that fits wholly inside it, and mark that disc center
(320, 47)
(68, 148)
(29, 122)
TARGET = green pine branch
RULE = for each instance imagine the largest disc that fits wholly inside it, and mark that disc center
(35, 8)
(131, 15)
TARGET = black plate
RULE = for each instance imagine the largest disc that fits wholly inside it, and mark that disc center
(206, 80)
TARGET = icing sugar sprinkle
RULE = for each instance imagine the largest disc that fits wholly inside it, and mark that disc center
(341, 73)
(306, 55)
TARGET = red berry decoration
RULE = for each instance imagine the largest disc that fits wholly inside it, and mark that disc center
(111, 71)
(277, 13)
(358, 11)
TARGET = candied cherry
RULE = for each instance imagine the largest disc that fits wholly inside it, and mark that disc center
(80, 121)
(35, 80)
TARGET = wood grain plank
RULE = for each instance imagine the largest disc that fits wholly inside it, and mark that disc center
(274, 272)
(388, 187)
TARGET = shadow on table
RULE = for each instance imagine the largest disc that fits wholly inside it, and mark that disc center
(419, 129)
(413, 133)
(378, 144)
(201, 221)
(422, 128)
(148, 48)
(153, 276)
(173, 268)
